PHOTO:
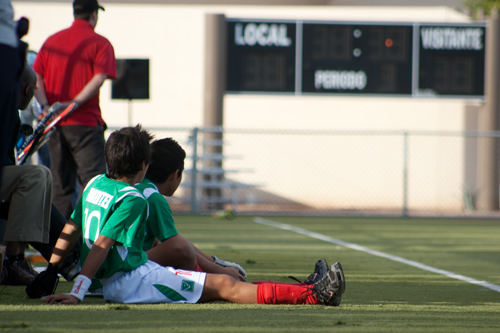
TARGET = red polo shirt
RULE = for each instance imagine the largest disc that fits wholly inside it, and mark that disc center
(67, 61)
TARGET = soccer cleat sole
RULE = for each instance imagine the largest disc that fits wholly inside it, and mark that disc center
(337, 268)
(339, 273)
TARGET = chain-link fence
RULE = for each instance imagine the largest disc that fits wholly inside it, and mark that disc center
(351, 173)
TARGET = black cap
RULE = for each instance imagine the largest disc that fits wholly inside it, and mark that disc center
(85, 6)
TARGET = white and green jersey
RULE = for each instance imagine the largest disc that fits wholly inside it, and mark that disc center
(116, 210)
(160, 222)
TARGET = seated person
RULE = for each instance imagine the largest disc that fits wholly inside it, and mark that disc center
(163, 244)
(28, 191)
(163, 177)
(112, 215)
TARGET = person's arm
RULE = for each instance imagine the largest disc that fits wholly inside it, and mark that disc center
(40, 94)
(89, 90)
(96, 256)
(94, 260)
(207, 265)
(45, 283)
(68, 238)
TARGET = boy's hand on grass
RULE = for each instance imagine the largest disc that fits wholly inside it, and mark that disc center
(233, 271)
(61, 299)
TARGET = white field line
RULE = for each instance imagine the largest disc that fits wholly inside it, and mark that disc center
(376, 253)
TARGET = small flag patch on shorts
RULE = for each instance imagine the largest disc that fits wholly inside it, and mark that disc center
(170, 293)
(187, 286)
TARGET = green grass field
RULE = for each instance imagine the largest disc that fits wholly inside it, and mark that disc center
(381, 295)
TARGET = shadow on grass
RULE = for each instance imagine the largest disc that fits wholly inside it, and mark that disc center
(427, 290)
(381, 305)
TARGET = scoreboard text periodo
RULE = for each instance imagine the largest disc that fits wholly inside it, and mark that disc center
(355, 58)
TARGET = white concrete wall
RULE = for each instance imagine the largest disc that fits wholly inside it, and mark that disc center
(172, 37)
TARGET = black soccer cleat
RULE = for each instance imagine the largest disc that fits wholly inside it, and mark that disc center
(320, 270)
(331, 286)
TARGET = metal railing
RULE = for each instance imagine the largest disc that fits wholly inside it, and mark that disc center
(336, 173)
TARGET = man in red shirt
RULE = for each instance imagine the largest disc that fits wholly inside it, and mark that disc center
(71, 67)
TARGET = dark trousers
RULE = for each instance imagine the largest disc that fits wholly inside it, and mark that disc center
(76, 153)
(57, 222)
(10, 70)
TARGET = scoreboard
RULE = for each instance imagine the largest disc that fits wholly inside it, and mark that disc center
(356, 58)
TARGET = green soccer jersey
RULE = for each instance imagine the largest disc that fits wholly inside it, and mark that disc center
(160, 222)
(116, 210)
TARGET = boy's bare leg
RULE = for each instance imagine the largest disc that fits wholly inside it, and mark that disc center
(180, 253)
(176, 252)
(224, 287)
(200, 253)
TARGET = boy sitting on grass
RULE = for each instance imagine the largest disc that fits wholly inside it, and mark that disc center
(111, 216)
(163, 178)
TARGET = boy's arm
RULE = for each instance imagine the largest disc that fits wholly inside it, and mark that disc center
(45, 283)
(207, 264)
(96, 256)
(94, 260)
(66, 241)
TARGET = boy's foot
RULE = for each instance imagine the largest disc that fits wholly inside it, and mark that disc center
(225, 263)
(331, 286)
(320, 269)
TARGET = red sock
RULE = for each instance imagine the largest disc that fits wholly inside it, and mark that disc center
(198, 268)
(261, 282)
(284, 293)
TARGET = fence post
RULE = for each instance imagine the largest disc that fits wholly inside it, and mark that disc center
(194, 172)
(488, 171)
(405, 174)
(214, 90)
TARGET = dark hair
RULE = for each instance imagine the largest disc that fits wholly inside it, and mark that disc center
(125, 150)
(166, 157)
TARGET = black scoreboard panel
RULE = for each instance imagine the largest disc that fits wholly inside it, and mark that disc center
(357, 59)
(261, 56)
(451, 60)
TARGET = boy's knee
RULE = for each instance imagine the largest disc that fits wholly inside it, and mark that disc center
(175, 252)
(224, 284)
(186, 252)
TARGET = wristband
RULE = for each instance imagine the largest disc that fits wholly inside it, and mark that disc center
(80, 287)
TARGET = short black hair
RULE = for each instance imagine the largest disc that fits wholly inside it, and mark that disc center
(166, 157)
(125, 150)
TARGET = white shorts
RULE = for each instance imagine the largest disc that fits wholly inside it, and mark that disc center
(152, 283)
